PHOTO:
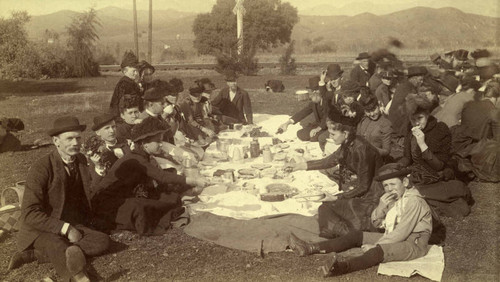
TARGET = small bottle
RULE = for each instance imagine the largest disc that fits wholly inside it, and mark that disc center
(254, 148)
(267, 155)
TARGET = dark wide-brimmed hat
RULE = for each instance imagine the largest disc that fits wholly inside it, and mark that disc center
(387, 75)
(449, 81)
(143, 65)
(313, 83)
(206, 83)
(480, 53)
(363, 56)
(66, 124)
(129, 60)
(391, 170)
(350, 88)
(102, 120)
(461, 54)
(334, 71)
(195, 91)
(369, 102)
(150, 126)
(154, 94)
(417, 70)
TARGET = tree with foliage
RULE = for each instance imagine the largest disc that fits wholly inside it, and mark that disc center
(14, 46)
(266, 24)
(82, 36)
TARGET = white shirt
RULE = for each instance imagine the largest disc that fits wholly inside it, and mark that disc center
(231, 95)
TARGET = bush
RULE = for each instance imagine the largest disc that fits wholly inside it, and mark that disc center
(246, 63)
(173, 53)
(287, 63)
(106, 59)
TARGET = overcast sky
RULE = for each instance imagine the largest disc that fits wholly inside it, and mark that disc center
(40, 7)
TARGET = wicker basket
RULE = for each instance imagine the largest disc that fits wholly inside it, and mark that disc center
(10, 213)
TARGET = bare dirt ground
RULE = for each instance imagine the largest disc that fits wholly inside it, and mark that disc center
(471, 247)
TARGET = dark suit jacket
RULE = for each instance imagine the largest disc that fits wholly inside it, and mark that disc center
(320, 113)
(359, 75)
(240, 107)
(44, 197)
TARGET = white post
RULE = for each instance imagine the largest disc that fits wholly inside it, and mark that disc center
(239, 10)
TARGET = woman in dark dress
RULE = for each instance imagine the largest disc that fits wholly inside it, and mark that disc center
(427, 151)
(358, 162)
(134, 194)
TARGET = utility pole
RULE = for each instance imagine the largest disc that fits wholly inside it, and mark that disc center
(150, 32)
(136, 36)
(239, 10)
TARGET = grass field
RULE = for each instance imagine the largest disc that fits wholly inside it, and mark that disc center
(471, 247)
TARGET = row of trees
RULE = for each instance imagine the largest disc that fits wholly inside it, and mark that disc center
(22, 58)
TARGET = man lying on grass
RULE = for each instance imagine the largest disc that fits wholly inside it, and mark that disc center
(404, 215)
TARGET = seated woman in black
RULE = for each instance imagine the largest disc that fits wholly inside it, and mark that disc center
(426, 151)
(134, 194)
(358, 162)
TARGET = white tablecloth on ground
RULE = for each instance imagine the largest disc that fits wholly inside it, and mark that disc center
(430, 266)
(242, 201)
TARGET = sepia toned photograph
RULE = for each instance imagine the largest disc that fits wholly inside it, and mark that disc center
(249, 140)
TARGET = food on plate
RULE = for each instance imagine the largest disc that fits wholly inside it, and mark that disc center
(272, 197)
(255, 132)
(261, 166)
(248, 173)
(280, 156)
(214, 190)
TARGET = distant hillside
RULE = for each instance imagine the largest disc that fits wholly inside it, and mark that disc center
(416, 27)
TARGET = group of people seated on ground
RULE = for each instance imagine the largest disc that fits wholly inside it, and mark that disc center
(427, 132)
(399, 163)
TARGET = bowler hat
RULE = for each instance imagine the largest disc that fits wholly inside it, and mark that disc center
(333, 71)
(391, 170)
(349, 87)
(450, 82)
(195, 91)
(314, 83)
(129, 60)
(461, 54)
(231, 76)
(177, 85)
(417, 70)
(102, 120)
(65, 124)
(150, 126)
(435, 57)
(154, 94)
(363, 55)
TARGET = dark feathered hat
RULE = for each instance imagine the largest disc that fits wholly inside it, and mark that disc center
(150, 126)
(129, 60)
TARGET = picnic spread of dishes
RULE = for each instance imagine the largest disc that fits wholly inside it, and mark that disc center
(247, 177)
